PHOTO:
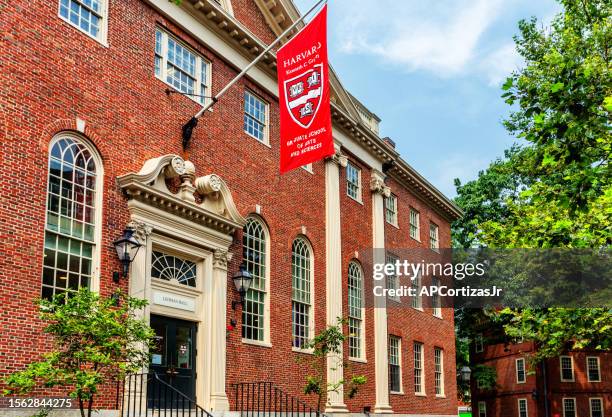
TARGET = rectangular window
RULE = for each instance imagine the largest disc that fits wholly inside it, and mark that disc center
(392, 279)
(89, 16)
(478, 344)
(256, 117)
(419, 383)
(522, 407)
(436, 301)
(569, 407)
(417, 301)
(391, 209)
(353, 182)
(415, 229)
(520, 371)
(182, 68)
(567, 368)
(596, 406)
(593, 369)
(355, 312)
(395, 373)
(439, 371)
(434, 243)
(482, 409)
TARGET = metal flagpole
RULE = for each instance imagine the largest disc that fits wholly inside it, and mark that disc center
(193, 122)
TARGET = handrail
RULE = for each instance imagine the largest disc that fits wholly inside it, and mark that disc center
(265, 399)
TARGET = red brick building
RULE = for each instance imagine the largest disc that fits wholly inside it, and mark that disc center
(575, 384)
(85, 113)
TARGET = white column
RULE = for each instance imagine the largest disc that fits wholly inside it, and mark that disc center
(333, 273)
(218, 396)
(381, 359)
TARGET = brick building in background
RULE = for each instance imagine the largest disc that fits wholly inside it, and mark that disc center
(575, 384)
(86, 117)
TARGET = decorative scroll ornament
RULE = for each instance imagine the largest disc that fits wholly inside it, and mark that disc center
(221, 258)
(377, 185)
(141, 230)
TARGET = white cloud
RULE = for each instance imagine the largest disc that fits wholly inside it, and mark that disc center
(439, 37)
(457, 165)
(498, 65)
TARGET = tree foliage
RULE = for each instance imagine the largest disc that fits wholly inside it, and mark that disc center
(96, 340)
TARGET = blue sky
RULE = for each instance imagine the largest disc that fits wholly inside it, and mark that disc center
(432, 71)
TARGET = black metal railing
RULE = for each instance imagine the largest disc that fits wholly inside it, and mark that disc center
(146, 394)
(264, 399)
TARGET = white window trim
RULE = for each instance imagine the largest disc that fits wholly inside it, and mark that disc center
(423, 391)
(526, 407)
(362, 351)
(418, 224)
(94, 284)
(394, 221)
(395, 298)
(311, 318)
(399, 358)
(102, 37)
(308, 168)
(561, 369)
(598, 368)
(516, 366)
(442, 390)
(435, 248)
(601, 401)
(266, 139)
(200, 60)
(359, 198)
(478, 341)
(482, 406)
(436, 311)
(575, 407)
(419, 280)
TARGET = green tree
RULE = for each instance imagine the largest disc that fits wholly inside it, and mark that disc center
(328, 344)
(96, 340)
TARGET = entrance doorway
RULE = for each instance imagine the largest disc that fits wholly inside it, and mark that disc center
(173, 359)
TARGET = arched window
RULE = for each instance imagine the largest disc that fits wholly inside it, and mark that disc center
(355, 311)
(73, 203)
(301, 293)
(254, 250)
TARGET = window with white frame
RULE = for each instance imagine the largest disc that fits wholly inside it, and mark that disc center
(174, 269)
(522, 407)
(353, 182)
(391, 209)
(301, 294)
(415, 228)
(482, 409)
(436, 301)
(596, 407)
(355, 311)
(569, 407)
(254, 250)
(255, 117)
(593, 369)
(395, 364)
(419, 376)
(478, 344)
(439, 371)
(521, 376)
(434, 243)
(417, 299)
(89, 16)
(180, 67)
(392, 279)
(73, 203)
(566, 364)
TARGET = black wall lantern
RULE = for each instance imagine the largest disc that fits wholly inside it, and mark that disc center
(242, 282)
(127, 246)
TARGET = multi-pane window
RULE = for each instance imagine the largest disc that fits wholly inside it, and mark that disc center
(395, 367)
(70, 242)
(520, 371)
(392, 279)
(415, 230)
(173, 269)
(255, 117)
(434, 243)
(569, 407)
(567, 368)
(596, 406)
(593, 370)
(353, 182)
(355, 311)
(436, 301)
(180, 67)
(417, 300)
(522, 407)
(86, 15)
(439, 371)
(301, 271)
(482, 409)
(478, 344)
(391, 209)
(419, 383)
(254, 254)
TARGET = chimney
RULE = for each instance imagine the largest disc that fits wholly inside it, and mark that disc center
(389, 142)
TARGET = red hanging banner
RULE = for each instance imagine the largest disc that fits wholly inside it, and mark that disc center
(303, 83)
